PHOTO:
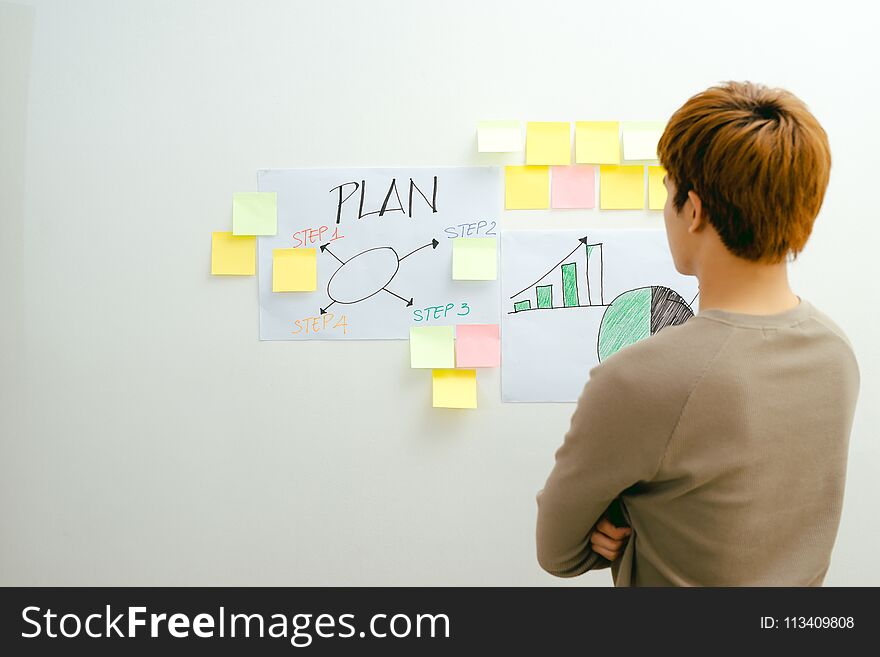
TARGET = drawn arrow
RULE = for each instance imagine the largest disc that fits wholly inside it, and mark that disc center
(324, 310)
(408, 303)
(582, 240)
(324, 248)
(433, 244)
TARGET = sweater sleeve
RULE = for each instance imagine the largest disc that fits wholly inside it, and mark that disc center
(617, 437)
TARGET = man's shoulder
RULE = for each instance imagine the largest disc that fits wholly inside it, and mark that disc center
(682, 344)
(667, 362)
(678, 354)
(829, 325)
(838, 347)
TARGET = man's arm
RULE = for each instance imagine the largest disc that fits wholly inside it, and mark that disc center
(617, 437)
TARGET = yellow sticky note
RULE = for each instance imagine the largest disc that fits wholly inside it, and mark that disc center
(454, 388)
(432, 346)
(597, 142)
(254, 213)
(294, 270)
(656, 188)
(622, 187)
(232, 255)
(526, 187)
(548, 142)
(474, 259)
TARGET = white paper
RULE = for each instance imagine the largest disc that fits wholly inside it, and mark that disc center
(640, 144)
(547, 352)
(375, 263)
(499, 136)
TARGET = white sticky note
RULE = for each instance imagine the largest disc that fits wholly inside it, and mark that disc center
(499, 136)
(640, 139)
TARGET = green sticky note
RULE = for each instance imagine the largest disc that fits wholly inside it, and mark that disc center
(254, 213)
(432, 346)
(474, 259)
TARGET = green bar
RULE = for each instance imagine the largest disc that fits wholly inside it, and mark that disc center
(522, 305)
(545, 296)
(569, 285)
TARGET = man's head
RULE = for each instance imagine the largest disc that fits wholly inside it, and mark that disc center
(746, 167)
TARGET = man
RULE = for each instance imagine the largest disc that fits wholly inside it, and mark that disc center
(722, 441)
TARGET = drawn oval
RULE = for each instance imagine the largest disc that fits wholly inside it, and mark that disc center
(363, 275)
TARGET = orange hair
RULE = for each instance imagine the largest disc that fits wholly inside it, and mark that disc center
(758, 160)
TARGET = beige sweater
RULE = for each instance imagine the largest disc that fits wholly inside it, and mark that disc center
(726, 440)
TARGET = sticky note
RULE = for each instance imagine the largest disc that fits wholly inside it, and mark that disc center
(454, 388)
(294, 270)
(597, 142)
(573, 186)
(477, 345)
(254, 213)
(231, 255)
(526, 187)
(474, 258)
(432, 346)
(640, 139)
(656, 188)
(548, 142)
(499, 136)
(622, 187)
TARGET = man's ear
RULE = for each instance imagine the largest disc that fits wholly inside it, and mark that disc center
(695, 215)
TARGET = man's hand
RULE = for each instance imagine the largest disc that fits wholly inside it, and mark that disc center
(608, 540)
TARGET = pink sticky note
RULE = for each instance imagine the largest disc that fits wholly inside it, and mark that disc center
(477, 345)
(573, 186)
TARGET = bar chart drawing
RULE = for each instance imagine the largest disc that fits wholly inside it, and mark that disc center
(571, 279)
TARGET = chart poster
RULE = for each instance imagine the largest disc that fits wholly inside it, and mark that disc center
(572, 298)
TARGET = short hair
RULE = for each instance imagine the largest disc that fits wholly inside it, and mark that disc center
(758, 160)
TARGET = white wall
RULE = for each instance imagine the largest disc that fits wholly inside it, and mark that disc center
(141, 437)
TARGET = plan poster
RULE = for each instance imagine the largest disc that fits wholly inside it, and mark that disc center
(383, 241)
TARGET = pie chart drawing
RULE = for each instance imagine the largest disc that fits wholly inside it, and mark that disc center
(637, 314)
